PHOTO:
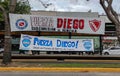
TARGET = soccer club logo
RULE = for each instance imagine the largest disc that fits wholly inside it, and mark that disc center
(26, 42)
(87, 44)
(21, 24)
(95, 24)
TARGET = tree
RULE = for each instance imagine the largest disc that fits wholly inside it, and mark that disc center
(112, 15)
(6, 7)
(22, 7)
(19, 7)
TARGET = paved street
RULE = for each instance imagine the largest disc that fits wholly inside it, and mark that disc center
(56, 74)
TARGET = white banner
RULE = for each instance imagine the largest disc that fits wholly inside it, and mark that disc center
(20, 22)
(28, 42)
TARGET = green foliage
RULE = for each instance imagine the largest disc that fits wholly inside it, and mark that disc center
(4, 4)
(21, 7)
(81, 64)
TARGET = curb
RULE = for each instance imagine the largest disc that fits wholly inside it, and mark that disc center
(57, 69)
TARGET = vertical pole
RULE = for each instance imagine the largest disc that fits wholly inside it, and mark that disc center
(101, 46)
(39, 34)
(70, 52)
(70, 35)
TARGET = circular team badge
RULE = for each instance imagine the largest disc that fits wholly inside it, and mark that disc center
(21, 24)
(26, 42)
(87, 45)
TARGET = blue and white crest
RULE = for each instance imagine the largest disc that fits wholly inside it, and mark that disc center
(87, 44)
(21, 24)
(26, 42)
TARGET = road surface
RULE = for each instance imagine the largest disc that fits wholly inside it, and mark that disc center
(57, 74)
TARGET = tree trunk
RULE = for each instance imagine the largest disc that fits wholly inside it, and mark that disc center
(7, 42)
(118, 33)
(112, 15)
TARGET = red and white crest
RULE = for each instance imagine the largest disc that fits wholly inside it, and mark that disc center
(95, 24)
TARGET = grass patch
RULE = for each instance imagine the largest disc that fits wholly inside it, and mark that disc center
(62, 64)
(80, 65)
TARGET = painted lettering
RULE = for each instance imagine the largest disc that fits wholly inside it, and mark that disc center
(42, 42)
(69, 44)
(70, 23)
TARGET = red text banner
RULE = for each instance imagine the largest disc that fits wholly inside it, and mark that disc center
(21, 22)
